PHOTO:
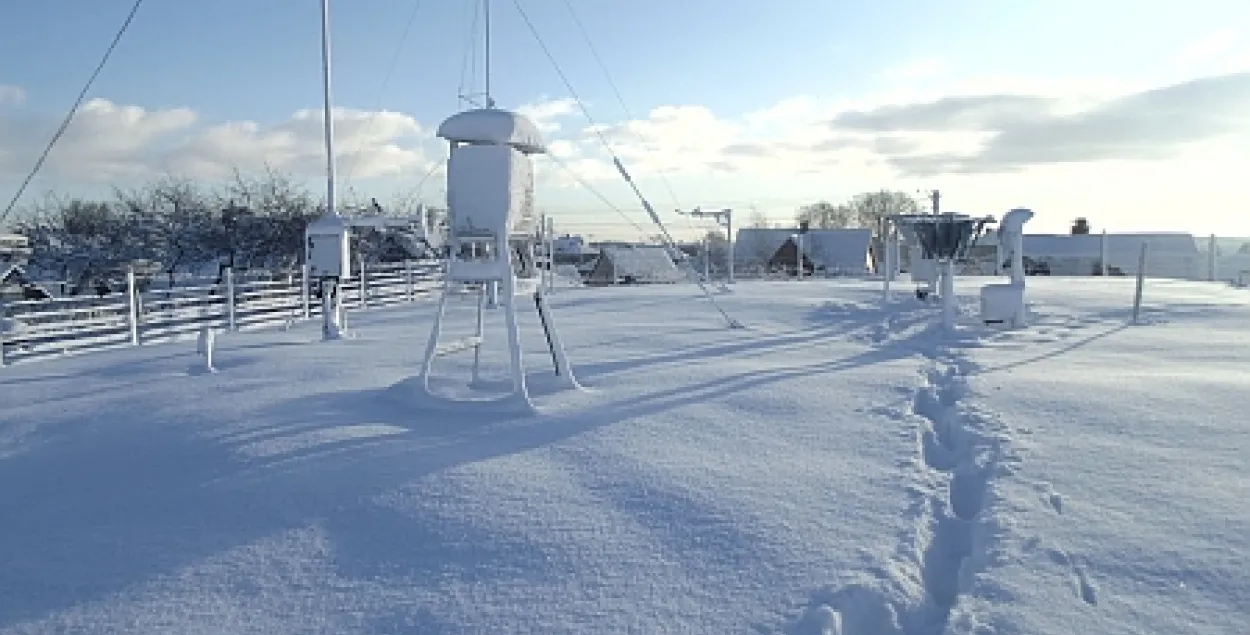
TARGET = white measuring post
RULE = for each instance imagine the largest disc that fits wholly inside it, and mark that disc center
(551, 254)
(231, 311)
(410, 291)
(707, 259)
(362, 280)
(204, 346)
(132, 296)
(1141, 282)
(304, 300)
(889, 269)
(1103, 253)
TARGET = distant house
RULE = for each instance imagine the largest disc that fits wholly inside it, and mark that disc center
(1168, 255)
(825, 251)
(634, 264)
(16, 286)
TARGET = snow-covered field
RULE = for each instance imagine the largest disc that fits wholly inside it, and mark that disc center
(838, 466)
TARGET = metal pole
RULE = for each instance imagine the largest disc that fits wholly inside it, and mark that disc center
(231, 312)
(1141, 282)
(798, 257)
(551, 254)
(329, 109)
(303, 291)
(363, 278)
(1102, 251)
(132, 293)
(729, 228)
(947, 273)
(707, 259)
(1212, 254)
(889, 268)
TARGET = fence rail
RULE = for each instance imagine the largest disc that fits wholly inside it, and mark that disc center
(39, 329)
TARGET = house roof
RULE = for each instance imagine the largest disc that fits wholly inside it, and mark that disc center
(649, 263)
(11, 274)
(1176, 244)
(828, 248)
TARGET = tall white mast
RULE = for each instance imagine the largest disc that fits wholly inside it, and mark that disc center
(331, 208)
(490, 102)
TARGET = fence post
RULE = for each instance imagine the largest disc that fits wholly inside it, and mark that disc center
(1141, 281)
(231, 317)
(409, 284)
(2, 338)
(132, 295)
(1103, 252)
(362, 279)
(303, 292)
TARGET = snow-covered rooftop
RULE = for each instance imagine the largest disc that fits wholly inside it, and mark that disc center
(645, 263)
(841, 249)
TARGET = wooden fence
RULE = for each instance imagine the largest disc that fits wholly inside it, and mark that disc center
(39, 329)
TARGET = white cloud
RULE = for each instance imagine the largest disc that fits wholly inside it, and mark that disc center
(367, 145)
(1210, 47)
(790, 152)
(113, 144)
(12, 95)
(547, 113)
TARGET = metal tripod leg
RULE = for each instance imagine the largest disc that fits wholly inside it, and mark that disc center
(558, 357)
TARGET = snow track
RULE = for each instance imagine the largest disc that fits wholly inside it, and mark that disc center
(959, 453)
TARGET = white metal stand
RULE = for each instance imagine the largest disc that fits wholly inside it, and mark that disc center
(499, 272)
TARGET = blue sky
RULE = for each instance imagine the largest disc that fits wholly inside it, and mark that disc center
(235, 60)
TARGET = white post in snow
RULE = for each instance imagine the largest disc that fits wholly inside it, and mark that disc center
(947, 273)
(362, 300)
(1103, 251)
(204, 346)
(132, 294)
(551, 254)
(540, 246)
(707, 259)
(798, 257)
(1213, 253)
(231, 311)
(1141, 281)
(492, 288)
(304, 303)
(889, 270)
(409, 285)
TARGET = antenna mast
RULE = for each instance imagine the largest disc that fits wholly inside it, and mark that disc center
(490, 103)
(329, 113)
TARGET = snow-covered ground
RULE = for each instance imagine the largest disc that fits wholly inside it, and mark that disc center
(838, 462)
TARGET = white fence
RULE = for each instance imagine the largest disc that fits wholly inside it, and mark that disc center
(38, 329)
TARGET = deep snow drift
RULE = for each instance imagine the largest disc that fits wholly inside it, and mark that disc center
(837, 466)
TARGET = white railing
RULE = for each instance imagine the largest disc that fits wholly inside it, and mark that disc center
(39, 329)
